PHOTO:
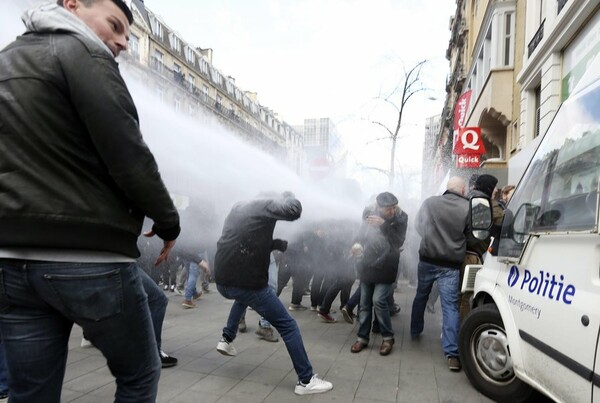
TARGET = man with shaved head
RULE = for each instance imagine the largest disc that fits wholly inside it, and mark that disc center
(443, 223)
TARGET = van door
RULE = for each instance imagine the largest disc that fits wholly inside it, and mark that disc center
(550, 237)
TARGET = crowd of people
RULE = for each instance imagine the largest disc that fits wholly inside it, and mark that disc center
(78, 182)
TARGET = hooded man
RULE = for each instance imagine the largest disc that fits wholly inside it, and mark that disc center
(242, 274)
(76, 181)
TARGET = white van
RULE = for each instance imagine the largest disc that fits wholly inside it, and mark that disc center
(535, 323)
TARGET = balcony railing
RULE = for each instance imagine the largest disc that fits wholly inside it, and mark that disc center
(537, 38)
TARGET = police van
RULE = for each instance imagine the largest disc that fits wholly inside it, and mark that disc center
(535, 322)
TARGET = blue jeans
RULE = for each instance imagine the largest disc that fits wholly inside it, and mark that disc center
(40, 301)
(374, 295)
(3, 372)
(265, 302)
(190, 288)
(447, 280)
(157, 302)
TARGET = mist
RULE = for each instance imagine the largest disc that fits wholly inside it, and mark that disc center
(207, 169)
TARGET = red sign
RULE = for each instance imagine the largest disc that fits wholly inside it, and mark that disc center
(460, 110)
(467, 161)
(469, 142)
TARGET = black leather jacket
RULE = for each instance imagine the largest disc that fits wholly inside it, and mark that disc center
(75, 172)
(243, 251)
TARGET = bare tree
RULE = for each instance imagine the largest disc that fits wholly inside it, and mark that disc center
(409, 85)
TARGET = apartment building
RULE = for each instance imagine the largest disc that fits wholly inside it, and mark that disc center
(184, 78)
(562, 38)
(323, 149)
(518, 60)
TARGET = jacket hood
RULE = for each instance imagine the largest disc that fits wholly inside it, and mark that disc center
(54, 18)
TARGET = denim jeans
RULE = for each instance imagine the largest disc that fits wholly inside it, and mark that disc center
(354, 299)
(447, 280)
(265, 302)
(3, 372)
(374, 295)
(193, 272)
(40, 301)
(157, 302)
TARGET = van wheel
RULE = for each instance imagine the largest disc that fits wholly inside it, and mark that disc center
(485, 357)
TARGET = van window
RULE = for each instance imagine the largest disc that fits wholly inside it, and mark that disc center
(559, 191)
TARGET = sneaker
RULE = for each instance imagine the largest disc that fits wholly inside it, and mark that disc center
(297, 307)
(326, 317)
(85, 343)
(454, 364)
(172, 287)
(266, 333)
(187, 304)
(348, 315)
(315, 385)
(314, 308)
(242, 326)
(166, 287)
(196, 296)
(226, 348)
(179, 291)
(166, 360)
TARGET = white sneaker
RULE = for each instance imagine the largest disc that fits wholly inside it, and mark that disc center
(85, 343)
(226, 348)
(315, 385)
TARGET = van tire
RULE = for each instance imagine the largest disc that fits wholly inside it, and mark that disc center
(485, 357)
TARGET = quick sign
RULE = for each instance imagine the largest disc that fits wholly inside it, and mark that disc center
(544, 284)
(469, 142)
(468, 161)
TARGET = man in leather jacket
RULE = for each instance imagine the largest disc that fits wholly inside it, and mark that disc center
(76, 181)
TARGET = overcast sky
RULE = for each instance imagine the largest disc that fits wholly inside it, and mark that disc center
(327, 58)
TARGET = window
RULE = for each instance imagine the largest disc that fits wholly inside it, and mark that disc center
(205, 92)
(157, 61)
(134, 46)
(175, 42)
(559, 191)
(177, 104)
(191, 81)
(190, 55)
(156, 26)
(508, 40)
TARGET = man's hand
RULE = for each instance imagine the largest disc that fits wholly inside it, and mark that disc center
(357, 250)
(204, 266)
(164, 253)
(375, 220)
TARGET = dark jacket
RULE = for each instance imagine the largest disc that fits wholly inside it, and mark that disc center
(75, 172)
(382, 244)
(443, 223)
(243, 251)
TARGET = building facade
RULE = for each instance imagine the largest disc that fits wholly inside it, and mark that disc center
(184, 78)
(520, 59)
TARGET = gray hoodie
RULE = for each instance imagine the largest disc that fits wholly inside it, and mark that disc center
(53, 18)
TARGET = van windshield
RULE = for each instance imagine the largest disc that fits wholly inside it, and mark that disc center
(559, 191)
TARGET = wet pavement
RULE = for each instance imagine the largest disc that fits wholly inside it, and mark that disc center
(415, 371)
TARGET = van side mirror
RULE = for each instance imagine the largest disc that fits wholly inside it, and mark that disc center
(524, 221)
(481, 217)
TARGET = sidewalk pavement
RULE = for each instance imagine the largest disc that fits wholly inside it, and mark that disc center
(415, 371)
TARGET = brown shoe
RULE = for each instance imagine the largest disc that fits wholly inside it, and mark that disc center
(358, 346)
(386, 347)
